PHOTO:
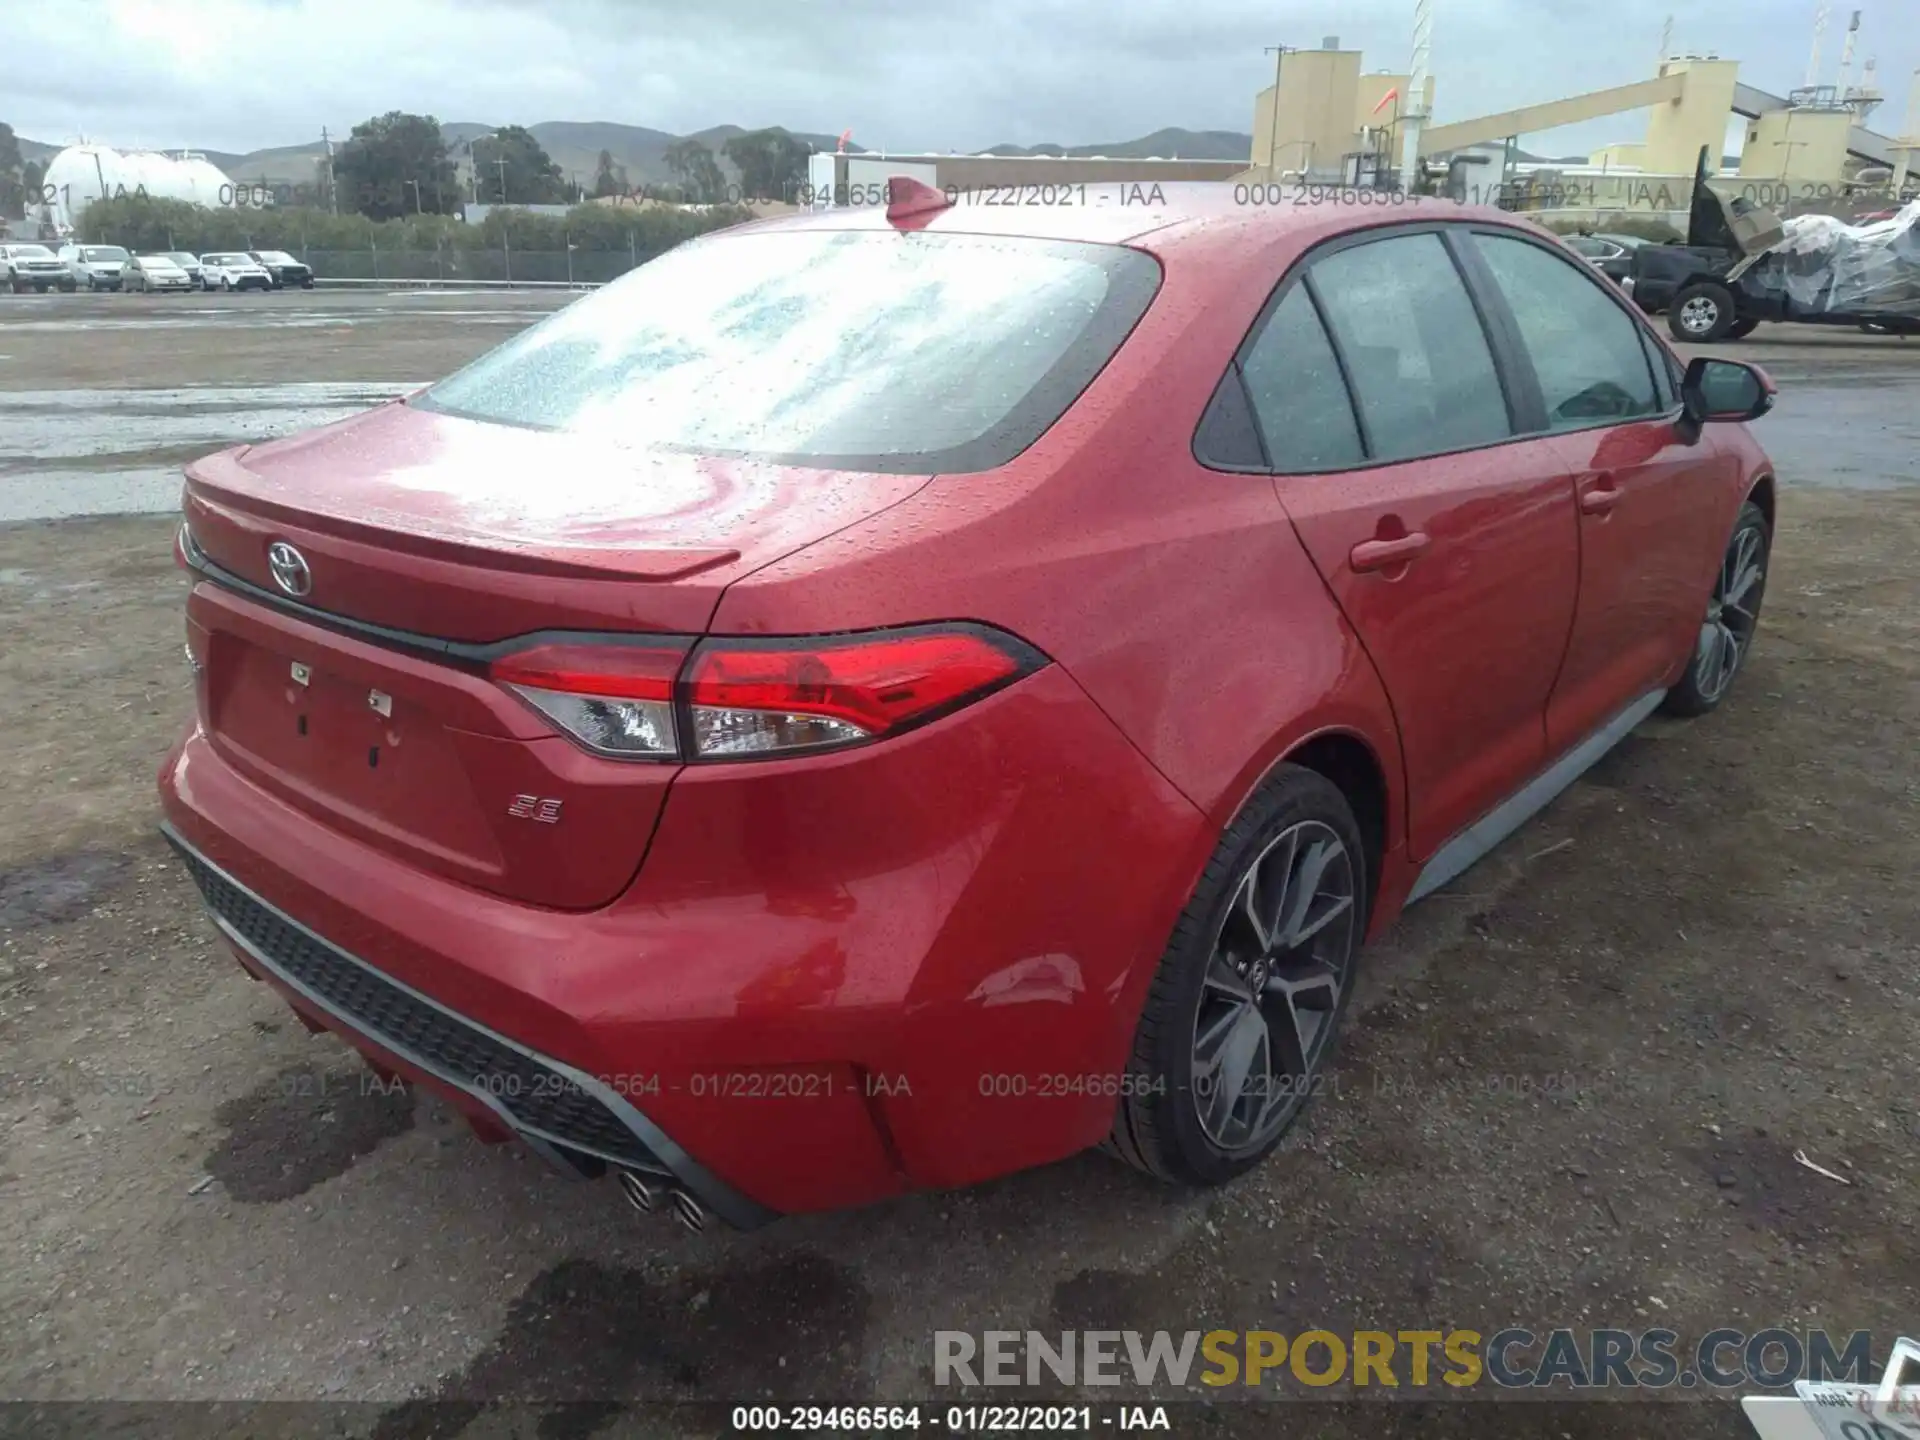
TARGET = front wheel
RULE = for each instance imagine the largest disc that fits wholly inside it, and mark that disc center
(1242, 1015)
(1732, 619)
(1702, 313)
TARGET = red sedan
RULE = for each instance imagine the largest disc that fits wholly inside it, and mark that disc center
(876, 700)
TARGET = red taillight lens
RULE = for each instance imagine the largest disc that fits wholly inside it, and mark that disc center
(615, 699)
(737, 698)
(758, 697)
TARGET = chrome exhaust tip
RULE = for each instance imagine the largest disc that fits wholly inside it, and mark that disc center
(687, 1210)
(643, 1195)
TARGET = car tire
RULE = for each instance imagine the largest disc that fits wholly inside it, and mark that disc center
(307, 284)
(1181, 1117)
(1742, 328)
(1701, 313)
(1732, 620)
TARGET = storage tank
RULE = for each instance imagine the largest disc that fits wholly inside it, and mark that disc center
(81, 174)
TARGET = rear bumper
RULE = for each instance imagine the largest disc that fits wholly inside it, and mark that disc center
(834, 980)
(559, 1111)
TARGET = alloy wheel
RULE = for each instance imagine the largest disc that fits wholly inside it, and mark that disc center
(1698, 315)
(1280, 964)
(1732, 613)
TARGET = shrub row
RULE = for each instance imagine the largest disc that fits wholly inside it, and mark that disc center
(150, 223)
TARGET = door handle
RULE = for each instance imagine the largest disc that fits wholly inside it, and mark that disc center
(1385, 554)
(1599, 497)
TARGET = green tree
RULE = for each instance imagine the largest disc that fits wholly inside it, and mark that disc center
(772, 164)
(529, 176)
(605, 182)
(696, 173)
(12, 190)
(377, 170)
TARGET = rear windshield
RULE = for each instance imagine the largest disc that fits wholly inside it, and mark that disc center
(859, 350)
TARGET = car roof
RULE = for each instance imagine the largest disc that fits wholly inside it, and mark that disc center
(1172, 212)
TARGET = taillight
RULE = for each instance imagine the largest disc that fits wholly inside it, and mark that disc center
(739, 698)
(615, 699)
(759, 697)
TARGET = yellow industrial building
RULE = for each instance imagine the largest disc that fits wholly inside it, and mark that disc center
(1326, 120)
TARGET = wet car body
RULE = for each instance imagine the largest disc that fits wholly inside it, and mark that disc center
(787, 982)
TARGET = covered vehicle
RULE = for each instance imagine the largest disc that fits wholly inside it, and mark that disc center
(1742, 264)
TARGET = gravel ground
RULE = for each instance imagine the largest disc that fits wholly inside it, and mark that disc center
(1571, 1092)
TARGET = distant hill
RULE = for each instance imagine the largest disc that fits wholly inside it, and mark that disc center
(1168, 144)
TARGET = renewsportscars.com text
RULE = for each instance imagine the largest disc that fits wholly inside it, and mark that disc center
(1395, 1359)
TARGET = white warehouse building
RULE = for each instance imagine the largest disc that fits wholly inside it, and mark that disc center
(81, 174)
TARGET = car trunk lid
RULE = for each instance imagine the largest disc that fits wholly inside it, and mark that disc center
(427, 543)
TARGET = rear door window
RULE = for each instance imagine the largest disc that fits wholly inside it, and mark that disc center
(1586, 350)
(853, 350)
(1422, 371)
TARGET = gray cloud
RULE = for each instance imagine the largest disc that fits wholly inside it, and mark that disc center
(241, 74)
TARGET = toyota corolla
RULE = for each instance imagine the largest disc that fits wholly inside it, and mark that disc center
(876, 700)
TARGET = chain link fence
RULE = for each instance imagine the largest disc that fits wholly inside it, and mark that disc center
(464, 265)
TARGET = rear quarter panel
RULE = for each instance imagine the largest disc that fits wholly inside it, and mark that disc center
(1178, 598)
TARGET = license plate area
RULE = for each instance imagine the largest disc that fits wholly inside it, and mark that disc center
(356, 754)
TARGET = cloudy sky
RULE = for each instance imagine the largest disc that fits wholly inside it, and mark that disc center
(935, 74)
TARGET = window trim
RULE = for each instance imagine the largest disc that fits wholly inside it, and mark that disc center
(1511, 362)
(1667, 397)
(1299, 273)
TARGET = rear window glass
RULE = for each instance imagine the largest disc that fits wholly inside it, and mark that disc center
(853, 350)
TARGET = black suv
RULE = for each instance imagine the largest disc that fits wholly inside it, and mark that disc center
(284, 269)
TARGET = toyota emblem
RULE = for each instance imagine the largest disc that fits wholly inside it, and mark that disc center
(289, 568)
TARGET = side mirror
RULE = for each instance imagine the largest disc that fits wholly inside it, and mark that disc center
(1720, 390)
(1725, 390)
